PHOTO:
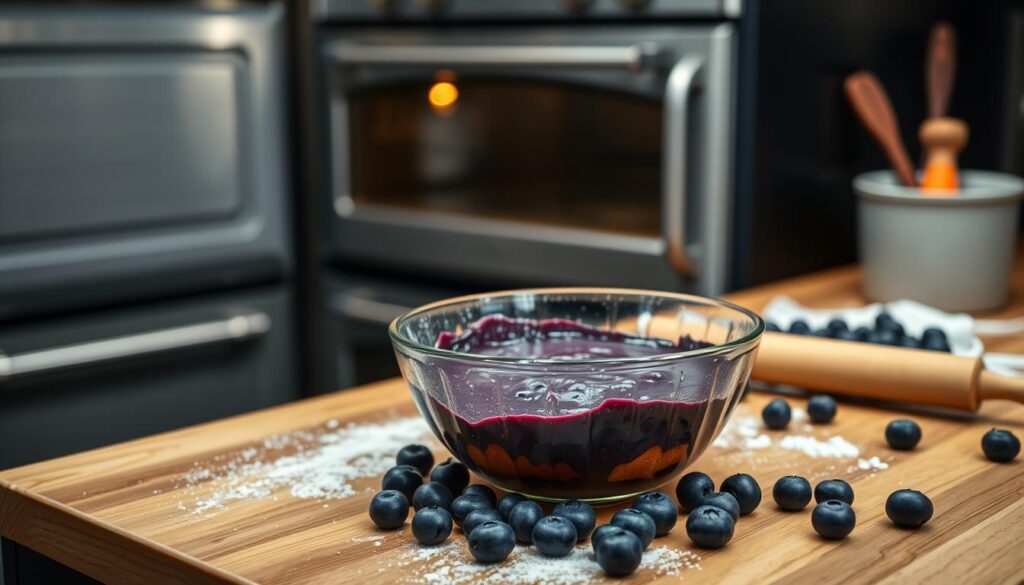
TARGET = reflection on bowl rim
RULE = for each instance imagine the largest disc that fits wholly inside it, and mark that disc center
(749, 339)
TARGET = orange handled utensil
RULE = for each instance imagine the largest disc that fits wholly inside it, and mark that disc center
(942, 139)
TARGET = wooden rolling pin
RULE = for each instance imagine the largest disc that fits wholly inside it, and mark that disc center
(896, 374)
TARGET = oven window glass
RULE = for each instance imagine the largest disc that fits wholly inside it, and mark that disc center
(526, 151)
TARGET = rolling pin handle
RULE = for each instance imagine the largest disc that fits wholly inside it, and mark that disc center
(992, 386)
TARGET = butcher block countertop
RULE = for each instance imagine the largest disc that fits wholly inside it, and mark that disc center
(269, 498)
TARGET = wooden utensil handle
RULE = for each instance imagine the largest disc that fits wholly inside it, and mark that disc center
(940, 69)
(872, 105)
(871, 371)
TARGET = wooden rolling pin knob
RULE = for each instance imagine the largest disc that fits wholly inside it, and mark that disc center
(895, 374)
(943, 139)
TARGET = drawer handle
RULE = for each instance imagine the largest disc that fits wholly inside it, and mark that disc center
(632, 57)
(237, 328)
(365, 308)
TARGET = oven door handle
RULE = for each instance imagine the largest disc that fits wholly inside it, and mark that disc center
(362, 306)
(678, 89)
(232, 329)
(632, 57)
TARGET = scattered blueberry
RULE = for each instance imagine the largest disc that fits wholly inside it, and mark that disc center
(885, 322)
(887, 337)
(478, 517)
(909, 342)
(619, 552)
(792, 493)
(846, 335)
(506, 504)
(902, 434)
(833, 489)
(581, 514)
(821, 333)
(554, 536)
(432, 494)
(452, 474)
(746, 491)
(692, 488)
(431, 525)
(404, 478)
(482, 490)
(602, 531)
(709, 527)
(660, 507)
(776, 414)
(522, 518)
(637, 522)
(833, 519)
(463, 505)
(835, 326)
(908, 508)
(799, 327)
(1000, 445)
(862, 333)
(821, 408)
(491, 542)
(725, 501)
(389, 509)
(935, 339)
(418, 456)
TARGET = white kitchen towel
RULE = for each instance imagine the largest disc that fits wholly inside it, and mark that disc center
(961, 329)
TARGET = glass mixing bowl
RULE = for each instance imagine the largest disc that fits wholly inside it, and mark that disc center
(595, 394)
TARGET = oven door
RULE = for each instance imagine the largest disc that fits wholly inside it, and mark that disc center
(598, 156)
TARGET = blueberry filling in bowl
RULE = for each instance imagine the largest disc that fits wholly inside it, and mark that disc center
(592, 394)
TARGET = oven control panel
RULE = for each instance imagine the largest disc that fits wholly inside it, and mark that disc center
(483, 10)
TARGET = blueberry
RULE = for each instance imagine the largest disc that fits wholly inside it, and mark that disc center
(909, 342)
(792, 493)
(833, 519)
(846, 335)
(769, 326)
(833, 489)
(619, 553)
(902, 434)
(776, 414)
(1000, 445)
(821, 333)
(885, 321)
(692, 488)
(478, 517)
(746, 491)
(522, 518)
(506, 504)
(432, 494)
(602, 531)
(887, 337)
(418, 456)
(710, 527)
(431, 525)
(862, 333)
(637, 522)
(492, 541)
(452, 474)
(404, 478)
(463, 505)
(482, 490)
(725, 501)
(389, 509)
(660, 507)
(799, 327)
(554, 536)
(908, 508)
(935, 339)
(821, 408)
(835, 326)
(581, 514)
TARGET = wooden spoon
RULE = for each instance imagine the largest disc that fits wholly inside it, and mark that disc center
(940, 69)
(869, 100)
(913, 376)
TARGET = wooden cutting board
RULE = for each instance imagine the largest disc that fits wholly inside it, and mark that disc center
(154, 510)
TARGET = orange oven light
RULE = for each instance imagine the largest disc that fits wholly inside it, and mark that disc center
(443, 95)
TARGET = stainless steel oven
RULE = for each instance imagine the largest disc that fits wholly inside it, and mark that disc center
(568, 154)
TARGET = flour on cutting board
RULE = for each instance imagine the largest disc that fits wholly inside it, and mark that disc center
(450, 563)
(318, 464)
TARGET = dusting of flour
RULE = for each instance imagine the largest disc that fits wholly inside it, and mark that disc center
(318, 465)
(450, 563)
